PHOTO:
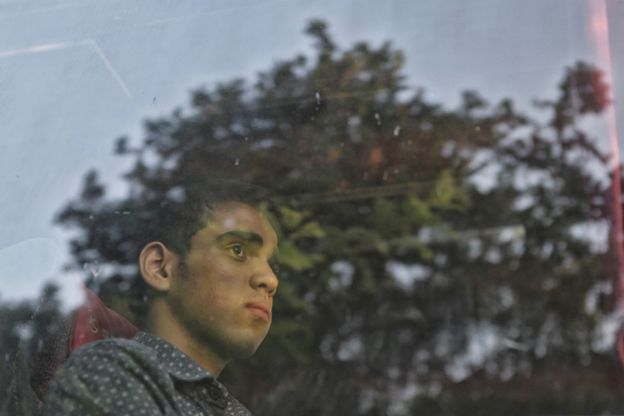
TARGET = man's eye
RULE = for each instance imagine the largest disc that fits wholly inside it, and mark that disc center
(238, 251)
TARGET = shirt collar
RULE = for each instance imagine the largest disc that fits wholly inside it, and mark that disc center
(177, 363)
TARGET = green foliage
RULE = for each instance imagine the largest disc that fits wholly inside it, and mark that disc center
(291, 256)
(447, 195)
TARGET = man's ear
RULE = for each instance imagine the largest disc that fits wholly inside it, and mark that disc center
(157, 263)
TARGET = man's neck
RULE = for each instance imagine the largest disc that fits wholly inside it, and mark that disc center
(185, 342)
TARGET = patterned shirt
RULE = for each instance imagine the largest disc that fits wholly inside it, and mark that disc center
(142, 376)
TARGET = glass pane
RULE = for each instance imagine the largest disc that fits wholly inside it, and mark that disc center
(443, 177)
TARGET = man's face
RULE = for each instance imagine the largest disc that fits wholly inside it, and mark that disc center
(223, 292)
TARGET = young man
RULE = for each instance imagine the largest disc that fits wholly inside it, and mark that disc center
(210, 302)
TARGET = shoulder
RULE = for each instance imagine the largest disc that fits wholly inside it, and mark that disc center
(111, 350)
(109, 374)
(123, 362)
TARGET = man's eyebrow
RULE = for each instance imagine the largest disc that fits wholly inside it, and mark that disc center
(247, 236)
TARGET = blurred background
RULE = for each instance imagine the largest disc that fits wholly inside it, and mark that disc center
(445, 176)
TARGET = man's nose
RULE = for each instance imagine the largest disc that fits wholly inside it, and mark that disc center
(264, 278)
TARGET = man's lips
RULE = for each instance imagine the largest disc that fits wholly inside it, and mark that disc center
(259, 309)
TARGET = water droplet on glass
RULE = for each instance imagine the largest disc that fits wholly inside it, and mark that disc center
(378, 119)
(236, 162)
(397, 130)
(93, 269)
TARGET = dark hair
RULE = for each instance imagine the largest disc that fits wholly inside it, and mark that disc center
(186, 208)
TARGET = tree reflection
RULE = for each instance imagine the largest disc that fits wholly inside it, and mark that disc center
(433, 260)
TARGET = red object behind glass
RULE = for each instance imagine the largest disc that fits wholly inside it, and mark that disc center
(90, 322)
(94, 321)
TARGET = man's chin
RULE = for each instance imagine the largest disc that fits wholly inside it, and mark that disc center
(247, 346)
(245, 349)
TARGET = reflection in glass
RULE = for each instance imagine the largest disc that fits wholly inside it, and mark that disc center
(434, 259)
